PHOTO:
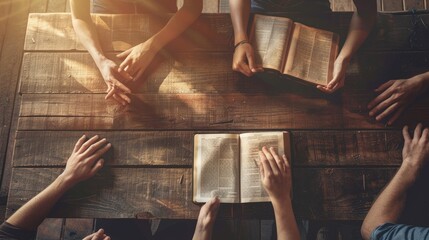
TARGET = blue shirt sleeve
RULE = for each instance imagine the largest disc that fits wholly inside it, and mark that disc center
(390, 231)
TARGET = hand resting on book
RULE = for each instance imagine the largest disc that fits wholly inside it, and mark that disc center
(275, 174)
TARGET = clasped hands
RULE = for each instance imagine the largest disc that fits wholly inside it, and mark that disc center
(135, 61)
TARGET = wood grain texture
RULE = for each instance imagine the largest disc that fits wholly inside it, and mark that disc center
(347, 148)
(44, 72)
(414, 4)
(77, 228)
(50, 229)
(337, 193)
(211, 32)
(112, 193)
(331, 193)
(389, 5)
(165, 148)
(204, 111)
(122, 31)
(174, 148)
(10, 61)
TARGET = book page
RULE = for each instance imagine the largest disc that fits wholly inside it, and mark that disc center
(312, 54)
(251, 143)
(216, 167)
(269, 37)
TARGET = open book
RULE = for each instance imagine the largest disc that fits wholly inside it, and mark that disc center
(294, 49)
(226, 165)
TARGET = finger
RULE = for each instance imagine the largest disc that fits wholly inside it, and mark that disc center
(279, 162)
(119, 100)
(381, 97)
(265, 165)
(109, 87)
(396, 115)
(244, 68)
(97, 155)
(110, 93)
(89, 237)
(384, 86)
(97, 167)
(324, 89)
(286, 161)
(88, 143)
(106, 238)
(392, 108)
(79, 143)
(139, 73)
(94, 147)
(381, 106)
(125, 75)
(124, 53)
(121, 86)
(125, 65)
(424, 137)
(332, 82)
(261, 168)
(251, 61)
(124, 97)
(406, 134)
(418, 132)
(271, 161)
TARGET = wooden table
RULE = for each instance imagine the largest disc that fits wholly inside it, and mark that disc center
(341, 157)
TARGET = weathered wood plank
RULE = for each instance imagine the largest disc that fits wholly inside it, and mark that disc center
(337, 194)
(212, 32)
(189, 111)
(10, 61)
(353, 148)
(113, 193)
(183, 73)
(122, 31)
(50, 229)
(389, 5)
(56, 6)
(76, 229)
(205, 111)
(414, 4)
(163, 148)
(334, 193)
(174, 148)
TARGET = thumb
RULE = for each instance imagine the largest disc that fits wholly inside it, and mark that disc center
(251, 61)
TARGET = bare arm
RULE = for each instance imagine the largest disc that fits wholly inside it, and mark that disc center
(87, 35)
(389, 205)
(138, 58)
(277, 180)
(244, 57)
(84, 162)
(361, 24)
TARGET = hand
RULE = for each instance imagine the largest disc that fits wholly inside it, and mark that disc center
(244, 60)
(206, 219)
(416, 150)
(99, 235)
(114, 78)
(275, 174)
(138, 58)
(394, 96)
(85, 159)
(339, 76)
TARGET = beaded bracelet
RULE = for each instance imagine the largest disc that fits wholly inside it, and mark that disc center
(241, 43)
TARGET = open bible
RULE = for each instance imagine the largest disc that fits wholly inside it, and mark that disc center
(294, 49)
(226, 165)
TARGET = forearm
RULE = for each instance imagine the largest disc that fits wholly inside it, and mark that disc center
(361, 25)
(240, 10)
(87, 35)
(31, 214)
(177, 24)
(285, 220)
(389, 205)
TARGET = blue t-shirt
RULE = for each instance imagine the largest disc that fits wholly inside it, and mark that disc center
(391, 231)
